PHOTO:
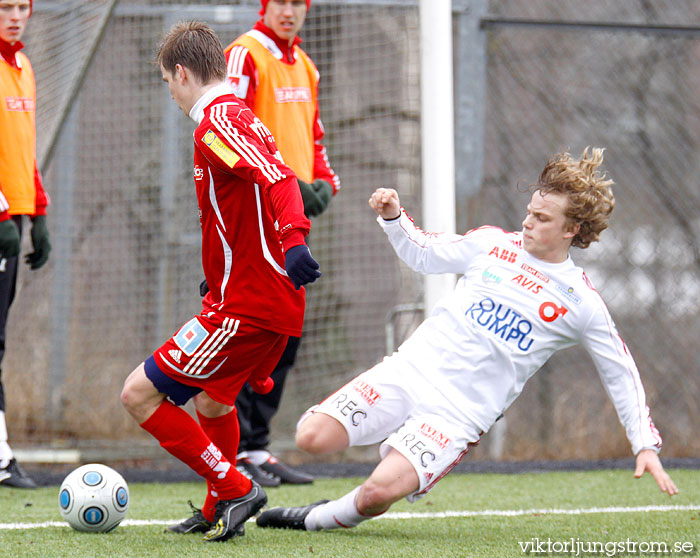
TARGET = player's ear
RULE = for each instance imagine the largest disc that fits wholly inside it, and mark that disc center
(572, 229)
(181, 73)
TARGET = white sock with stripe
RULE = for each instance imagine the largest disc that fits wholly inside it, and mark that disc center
(257, 457)
(336, 514)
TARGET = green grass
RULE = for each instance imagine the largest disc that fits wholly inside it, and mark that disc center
(481, 536)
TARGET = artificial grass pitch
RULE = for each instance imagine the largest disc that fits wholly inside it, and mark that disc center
(595, 513)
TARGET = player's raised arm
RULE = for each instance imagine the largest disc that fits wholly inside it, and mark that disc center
(385, 201)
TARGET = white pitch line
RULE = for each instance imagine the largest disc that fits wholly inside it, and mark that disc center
(542, 511)
(408, 515)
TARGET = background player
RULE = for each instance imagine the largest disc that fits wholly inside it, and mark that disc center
(21, 190)
(520, 299)
(254, 260)
(279, 82)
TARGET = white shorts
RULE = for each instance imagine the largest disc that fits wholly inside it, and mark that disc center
(393, 404)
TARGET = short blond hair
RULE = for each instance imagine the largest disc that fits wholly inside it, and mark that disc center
(588, 190)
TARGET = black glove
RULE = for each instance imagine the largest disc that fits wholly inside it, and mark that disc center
(203, 288)
(316, 196)
(9, 239)
(301, 266)
(40, 241)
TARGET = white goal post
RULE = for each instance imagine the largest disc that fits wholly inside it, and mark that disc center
(437, 132)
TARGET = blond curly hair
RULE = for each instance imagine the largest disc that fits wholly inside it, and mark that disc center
(589, 191)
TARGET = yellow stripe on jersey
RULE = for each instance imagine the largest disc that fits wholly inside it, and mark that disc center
(224, 152)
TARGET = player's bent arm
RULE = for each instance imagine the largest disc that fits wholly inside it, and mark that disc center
(288, 208)
(648, 460)
(430, 252)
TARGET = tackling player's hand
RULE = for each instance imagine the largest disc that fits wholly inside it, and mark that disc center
(385, 201)
(301, 266)
(9, 239)
(647, 460)
(316, 196)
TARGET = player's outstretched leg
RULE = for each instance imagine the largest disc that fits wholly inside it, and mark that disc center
(287, 518)
(231, 515)
(324, 514)
(393, 479)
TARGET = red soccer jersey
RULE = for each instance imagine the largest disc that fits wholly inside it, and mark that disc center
(251, 212)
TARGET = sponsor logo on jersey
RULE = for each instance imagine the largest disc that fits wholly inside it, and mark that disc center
(292, 95)
(435, 435)
(528, 284)
(490, 276)
(191, 336)
(198, 173)
(568, 292)
(367, 392)
(223, 151)
(503, 254)
(502, 322)
(264, 133)
(19, 104)
(541, 276)
(549, 311)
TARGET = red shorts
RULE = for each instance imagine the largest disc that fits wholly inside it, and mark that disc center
(219, 354)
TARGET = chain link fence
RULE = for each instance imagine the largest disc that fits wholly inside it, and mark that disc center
(531, 78)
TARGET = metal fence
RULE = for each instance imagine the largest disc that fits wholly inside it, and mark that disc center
(531, 78)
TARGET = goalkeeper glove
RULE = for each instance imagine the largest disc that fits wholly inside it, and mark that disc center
(316, 196)
(301, 266)
(9, 239)
(40, 241)
(203, 288)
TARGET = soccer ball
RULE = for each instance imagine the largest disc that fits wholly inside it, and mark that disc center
(93, 498)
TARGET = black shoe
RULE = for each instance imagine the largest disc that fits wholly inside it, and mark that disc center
(285, 473)
(287, 518)
(231, 515)
(14, 476)
(255, 473)
(195, 524)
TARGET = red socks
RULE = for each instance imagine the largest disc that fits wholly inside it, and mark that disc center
(225, 432)
(180, 435)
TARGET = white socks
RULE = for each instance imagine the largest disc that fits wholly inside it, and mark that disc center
(256, 457)
(5, 450)
(336, 514)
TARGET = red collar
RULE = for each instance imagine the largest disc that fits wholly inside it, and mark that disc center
(287, 51)
(8, 51)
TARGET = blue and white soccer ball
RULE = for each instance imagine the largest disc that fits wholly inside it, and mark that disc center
(93, 498)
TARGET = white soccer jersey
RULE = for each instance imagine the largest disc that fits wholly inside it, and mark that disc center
(508, 313)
